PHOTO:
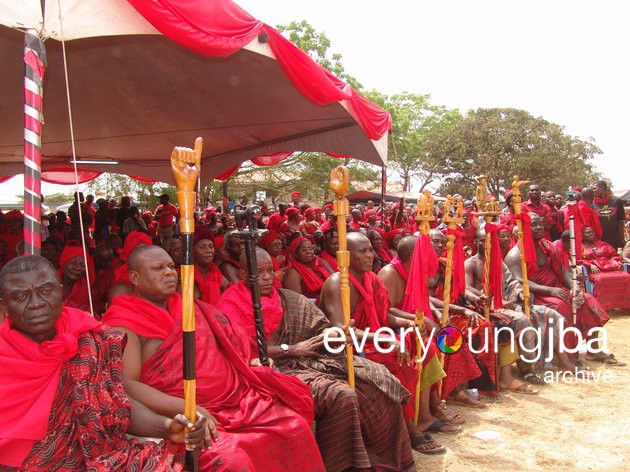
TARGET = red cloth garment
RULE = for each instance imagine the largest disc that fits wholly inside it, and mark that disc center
(371, 312)
(236, 303)
(496, 267)
(68, 252)
(210, 285)
(589, 315)
(612, 284)
(529, 248)
(458, 282)
(332, 261)
(313, 276)
(30, 374)
(264, 416)
(385, 254)
(78, 296)
(133, 239)
(424, 264)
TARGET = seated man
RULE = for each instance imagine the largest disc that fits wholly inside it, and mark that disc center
(234, 246)
(550, 282)
(209, 281)
(369, 307)
(62, 402)
(262, 417)
(307, 272)
(357, 429)
(542, 318)
(460, 367)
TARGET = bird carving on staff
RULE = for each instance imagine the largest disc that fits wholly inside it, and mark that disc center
(339, 180)
(186, 164)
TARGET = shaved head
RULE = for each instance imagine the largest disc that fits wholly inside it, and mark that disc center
(139, 253)
(405, 247)
(261, 255)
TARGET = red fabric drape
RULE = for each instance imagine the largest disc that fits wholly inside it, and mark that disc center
(528, 240)
(220, 28)
(34, 371)
(496, 266)
(458, 281)
(424, 264)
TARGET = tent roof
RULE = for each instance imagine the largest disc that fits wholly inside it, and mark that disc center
(134, 97)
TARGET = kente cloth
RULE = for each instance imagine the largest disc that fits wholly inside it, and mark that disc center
(495, 276)
(236, 303)
(545, 320)
(590, 315)
(312, 276)
(67, 403)
(332, 261)
(210, 285)
(265, 416)
(481, 344)
(372, 311)
(360, 428)
(612, 284)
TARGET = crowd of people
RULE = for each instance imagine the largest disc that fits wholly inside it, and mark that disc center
(91, 344)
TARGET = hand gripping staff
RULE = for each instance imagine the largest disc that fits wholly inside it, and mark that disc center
(517, 199)
(186, 164)
(423, 217)
(339, 180)
(489, 209)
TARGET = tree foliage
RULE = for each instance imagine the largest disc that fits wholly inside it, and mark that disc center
(308, 172)
(116, 185)
(503, 142)
(414, 119)
(317, 46)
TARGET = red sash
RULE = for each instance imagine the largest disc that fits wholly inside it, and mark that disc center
(331, 260)
(313, 276)
(30, 373)
(210, 285)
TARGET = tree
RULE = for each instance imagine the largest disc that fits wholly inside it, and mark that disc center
(317, 46)
(117, 185)
(503, 142)
(308, 172)
(414, 119)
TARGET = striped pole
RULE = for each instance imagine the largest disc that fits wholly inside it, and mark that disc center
(35, 64)
(186, 164)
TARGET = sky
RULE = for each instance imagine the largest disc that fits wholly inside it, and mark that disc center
(565, 61)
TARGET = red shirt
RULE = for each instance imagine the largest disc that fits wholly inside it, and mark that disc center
(167, 213)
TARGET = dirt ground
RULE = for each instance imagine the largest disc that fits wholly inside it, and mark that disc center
(569, 426)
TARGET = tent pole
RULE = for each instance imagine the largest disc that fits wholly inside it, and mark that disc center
(383, 188)
(34, 66)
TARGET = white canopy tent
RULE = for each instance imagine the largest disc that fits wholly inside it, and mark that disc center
(135, 94)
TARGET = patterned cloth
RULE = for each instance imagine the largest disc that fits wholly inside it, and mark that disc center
(90, 415)
(264, 416)
(355, 429)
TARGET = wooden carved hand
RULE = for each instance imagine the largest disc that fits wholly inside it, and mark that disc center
(186, 164)
(339, 180)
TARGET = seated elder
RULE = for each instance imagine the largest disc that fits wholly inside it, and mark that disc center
(62, 402)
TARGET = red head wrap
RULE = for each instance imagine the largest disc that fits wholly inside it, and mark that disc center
(133, 239)
(295, 243)
(269, 238)
(70, 251)
(218, 241)
(201, 234)
(296, 192)
(291, 212)
(309, 211)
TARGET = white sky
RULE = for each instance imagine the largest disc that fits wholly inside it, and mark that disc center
(564, 60)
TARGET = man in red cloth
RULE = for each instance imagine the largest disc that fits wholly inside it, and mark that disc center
(234, 246)
(550, 282)
(535, 205)
(307, 272)
(62, 402)
(262, 418)
(459, 367)
(209, 281)
(166, 215)
(122, 284)
(356, 429)
(331, 246)
(369, 307)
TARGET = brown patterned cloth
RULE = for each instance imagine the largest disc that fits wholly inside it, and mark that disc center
(355, 429)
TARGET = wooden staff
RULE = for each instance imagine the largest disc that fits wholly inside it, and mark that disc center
(339, 180)
(574, 266)
(489, 210)
(186, 164)
(423, 217)
(457, 209)
(517, 199)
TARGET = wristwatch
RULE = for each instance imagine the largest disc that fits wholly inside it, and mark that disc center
(285, 348)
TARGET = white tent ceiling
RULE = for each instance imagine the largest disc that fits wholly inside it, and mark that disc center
(135, 94)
